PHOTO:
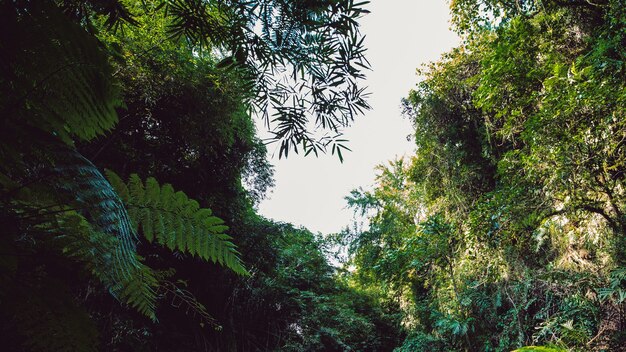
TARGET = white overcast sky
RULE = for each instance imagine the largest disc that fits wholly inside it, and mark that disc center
(400, 36)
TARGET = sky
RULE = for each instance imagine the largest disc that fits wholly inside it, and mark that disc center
(401, 35)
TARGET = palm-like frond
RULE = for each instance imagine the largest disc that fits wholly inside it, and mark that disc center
(173, 220)
(56, 77)
(133, 283)
(94, 197)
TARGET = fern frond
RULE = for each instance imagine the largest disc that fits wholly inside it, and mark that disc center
(101, 205)
(98, 229)
(58, 83)
(97, 250)
(57, 78)
(173, 220)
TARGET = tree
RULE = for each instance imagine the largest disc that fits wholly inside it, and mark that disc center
(62, 211)
(302, 61)
(519, 140)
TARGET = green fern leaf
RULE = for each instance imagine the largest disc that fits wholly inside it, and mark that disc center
(133, 285)
(58, 79)
(145, 219)
(131, 281)
(178, 223)
(119, 185)
(136, 188)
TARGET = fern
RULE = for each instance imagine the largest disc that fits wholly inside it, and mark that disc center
(76, 206)
(58, 87)
(92, 226)
(171, 219)
(109, 249)
(96, 198)
(135, 286)
(56, 78)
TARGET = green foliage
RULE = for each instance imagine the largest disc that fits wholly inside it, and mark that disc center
(133, 284)
(58, 87)
(71, 253)
(506, 229)
(538, 348)
(77, 211)
(515, 198)
(328, 314)
(420, 341)
(56, 77)
(302, 63)
(95, 197)
(55, 197)
(616, 291)
(173, 220)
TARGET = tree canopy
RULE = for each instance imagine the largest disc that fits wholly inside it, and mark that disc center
(505, 228)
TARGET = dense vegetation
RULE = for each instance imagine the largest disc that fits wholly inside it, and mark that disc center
(130, 170)
(507, 227)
